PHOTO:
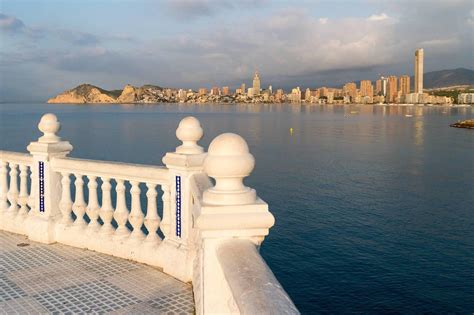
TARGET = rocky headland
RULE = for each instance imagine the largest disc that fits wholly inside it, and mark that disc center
(146, 94)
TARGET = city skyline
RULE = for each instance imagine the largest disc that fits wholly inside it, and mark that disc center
(197, 43)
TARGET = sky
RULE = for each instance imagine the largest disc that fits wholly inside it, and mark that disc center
(48, 46)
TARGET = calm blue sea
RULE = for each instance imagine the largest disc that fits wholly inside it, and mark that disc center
(374, 210)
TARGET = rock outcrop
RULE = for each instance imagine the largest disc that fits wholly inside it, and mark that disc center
(129, 95)
(85, 93)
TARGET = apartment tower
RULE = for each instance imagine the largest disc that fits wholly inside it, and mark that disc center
(404, 84)
(419, 71)
(256, 84)
(392, 90)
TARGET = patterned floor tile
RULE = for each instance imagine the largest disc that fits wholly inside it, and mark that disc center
(28, 257)
(25, 305)
(174, 303)
(146, 283)
(105, 266)
(58, 279)
(93, 297)
(9, 290)
(50, 277)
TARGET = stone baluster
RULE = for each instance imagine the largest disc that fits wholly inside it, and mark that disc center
(65, 205)
(93, 205)
(13, 191)
(165, 222)
(107, 210)
(79, 206)
(23, 197)
(121, 212)
(33, 189)
(3, 187)
(46, 183)
(136, 214)
(152, 219)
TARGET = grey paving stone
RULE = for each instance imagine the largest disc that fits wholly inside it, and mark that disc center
(58, 279)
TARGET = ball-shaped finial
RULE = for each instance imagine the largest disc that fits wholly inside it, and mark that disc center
(228, 144)
(228, 162)
(49, 125)
(189, 132)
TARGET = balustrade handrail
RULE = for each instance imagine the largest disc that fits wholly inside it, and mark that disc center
(254, 286)
(16, 157)
(117, 170)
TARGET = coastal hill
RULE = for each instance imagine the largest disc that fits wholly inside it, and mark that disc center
(445, 78)
(87, 93)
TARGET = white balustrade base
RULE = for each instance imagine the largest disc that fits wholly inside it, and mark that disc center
(15, 224)
(168, 255)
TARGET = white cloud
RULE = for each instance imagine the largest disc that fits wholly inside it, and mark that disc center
(323, 20)
(288, 46)
(378, 17)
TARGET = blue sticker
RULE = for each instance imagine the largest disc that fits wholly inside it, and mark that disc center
(41, 186)
(178, 206)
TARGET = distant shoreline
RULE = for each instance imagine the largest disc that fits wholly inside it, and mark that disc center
(265, 103)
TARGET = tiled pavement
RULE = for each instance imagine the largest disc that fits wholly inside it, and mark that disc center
(37, 278)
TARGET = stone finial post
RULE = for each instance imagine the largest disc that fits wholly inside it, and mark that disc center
(189, 132)
(228, 162)
(177, 213)
(229, 211)
(41, 221)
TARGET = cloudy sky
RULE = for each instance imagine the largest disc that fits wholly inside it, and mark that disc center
(52, 45)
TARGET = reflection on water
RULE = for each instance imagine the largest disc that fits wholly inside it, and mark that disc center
(373, 204)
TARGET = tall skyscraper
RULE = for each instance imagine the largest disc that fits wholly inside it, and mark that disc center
(419, 71)
(242, 88)
(392, 89)
(366, 88)
(384, 85)
(378, 87)
(256, 84)
(404, 84)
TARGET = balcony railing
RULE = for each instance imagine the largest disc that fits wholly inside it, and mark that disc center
(197, 232)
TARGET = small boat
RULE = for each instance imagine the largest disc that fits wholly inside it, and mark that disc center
(408, 115)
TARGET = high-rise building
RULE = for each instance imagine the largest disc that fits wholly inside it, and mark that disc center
(215, 90)
(307, 95)
(202, 91)
(242, 88)
(366, 88)
(419, 71)
(279, 95)
(296, 94)
(225, 90)
(323, 91)
(392, 89)
(378, 87)
(256, 84)
(404, 84)
(250, 92)
(384, 85)
(350, 89)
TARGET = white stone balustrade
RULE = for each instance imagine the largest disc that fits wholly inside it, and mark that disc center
(14, 194)
(113, 208)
